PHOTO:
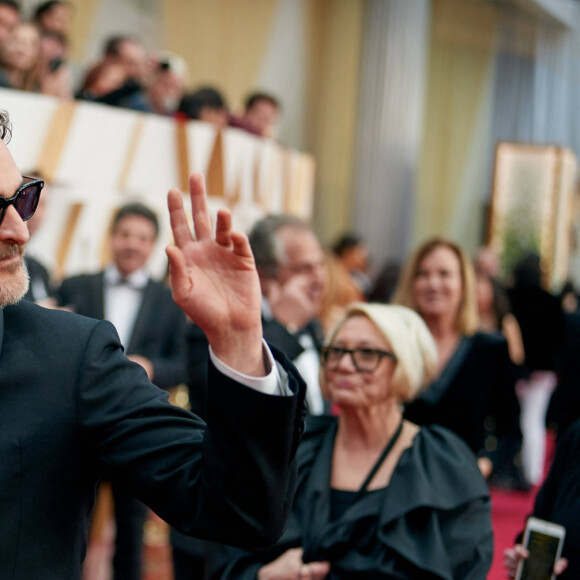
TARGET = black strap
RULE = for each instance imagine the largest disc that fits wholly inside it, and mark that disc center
(379, 462)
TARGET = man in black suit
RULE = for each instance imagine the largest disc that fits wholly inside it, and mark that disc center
(151, 327)
(73, 406)
(290, 263)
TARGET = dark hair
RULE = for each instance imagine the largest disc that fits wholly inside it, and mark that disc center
(113, 44)
(254, 98)
(265, 245)
(44, 8)
(346, 242)
(11, 4)
(5, 126)
(385, 283)
(192, 103)
(135, 209)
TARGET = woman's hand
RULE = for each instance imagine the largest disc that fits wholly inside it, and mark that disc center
(513, 556)
(289, 566)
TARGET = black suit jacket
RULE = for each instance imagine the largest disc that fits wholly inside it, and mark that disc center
(72, 405)
(159, 331)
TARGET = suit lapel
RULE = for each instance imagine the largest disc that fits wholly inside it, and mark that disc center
(97, 296)
(144, 316)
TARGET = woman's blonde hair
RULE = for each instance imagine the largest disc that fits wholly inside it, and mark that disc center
(408, 338)
(467, 320)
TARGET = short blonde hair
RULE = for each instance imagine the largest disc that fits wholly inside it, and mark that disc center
(467, 320)
(408, 338)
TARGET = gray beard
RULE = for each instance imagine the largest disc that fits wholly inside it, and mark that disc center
(15, 290)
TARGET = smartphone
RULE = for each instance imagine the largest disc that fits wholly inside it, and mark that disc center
(544, 541)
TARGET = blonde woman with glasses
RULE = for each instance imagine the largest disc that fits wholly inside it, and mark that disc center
(378, 496)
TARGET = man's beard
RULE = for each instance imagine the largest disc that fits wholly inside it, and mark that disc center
(14, 279)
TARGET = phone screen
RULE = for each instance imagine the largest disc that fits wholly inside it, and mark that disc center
(543, 550)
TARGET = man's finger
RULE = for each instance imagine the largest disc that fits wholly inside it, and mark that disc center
(199, 211)
(179, 225)
(223, 228)
(241, 244)
(180, 281)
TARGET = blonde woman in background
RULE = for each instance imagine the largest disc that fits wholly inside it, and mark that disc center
(473, 392)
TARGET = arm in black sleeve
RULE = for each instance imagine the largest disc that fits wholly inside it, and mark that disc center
(232, 481)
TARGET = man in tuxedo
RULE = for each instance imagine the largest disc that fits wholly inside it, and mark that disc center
(292, 273)
(151, 327)
(73, 406)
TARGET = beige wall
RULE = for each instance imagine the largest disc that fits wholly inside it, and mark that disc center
(459, 94)
(337, 29)
(305, 51)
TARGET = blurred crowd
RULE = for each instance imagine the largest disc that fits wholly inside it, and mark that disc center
(34, 56)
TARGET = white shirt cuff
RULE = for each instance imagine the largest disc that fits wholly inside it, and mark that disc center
(274, 383)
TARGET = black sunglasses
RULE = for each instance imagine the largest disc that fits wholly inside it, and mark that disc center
(25, 200)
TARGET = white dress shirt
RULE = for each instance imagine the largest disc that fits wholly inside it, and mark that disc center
(123, 298)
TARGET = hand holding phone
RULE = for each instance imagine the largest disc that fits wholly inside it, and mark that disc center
(543, 542)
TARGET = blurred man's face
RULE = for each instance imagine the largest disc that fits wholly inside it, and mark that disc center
(132, 56)
(262, 116)
(304, 257)
(22, 47)
(13, 236)
(132, 243)
(57, 19)
(9, 18)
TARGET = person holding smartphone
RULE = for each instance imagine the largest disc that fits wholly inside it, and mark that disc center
(558, 501)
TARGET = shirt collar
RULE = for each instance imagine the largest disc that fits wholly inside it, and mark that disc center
(137, 279)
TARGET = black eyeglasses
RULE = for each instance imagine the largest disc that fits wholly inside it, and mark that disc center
(25, 200)
(365, 360)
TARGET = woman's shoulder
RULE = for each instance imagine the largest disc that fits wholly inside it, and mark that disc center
(442, 469)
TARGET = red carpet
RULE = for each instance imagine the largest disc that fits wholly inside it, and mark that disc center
(508, 514)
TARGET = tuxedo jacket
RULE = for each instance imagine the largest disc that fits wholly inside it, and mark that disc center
(72, 405)
(159, 330)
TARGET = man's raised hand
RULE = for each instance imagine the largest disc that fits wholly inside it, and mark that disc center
(214, 280)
